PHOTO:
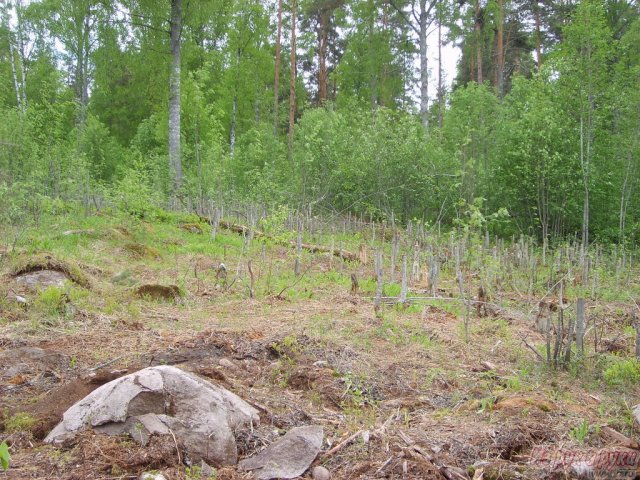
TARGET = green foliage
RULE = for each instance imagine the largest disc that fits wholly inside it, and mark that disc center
(134, 195)
(534, 147)
(51, 301)
(102, 152)
(622, 372)
(288, 351)
(487, 404)
(580, 433)
(5, 458)
(21, 421)
(195, 473)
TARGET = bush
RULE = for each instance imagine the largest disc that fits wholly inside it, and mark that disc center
(133, 193)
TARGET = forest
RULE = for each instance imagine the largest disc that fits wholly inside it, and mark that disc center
(330, 106)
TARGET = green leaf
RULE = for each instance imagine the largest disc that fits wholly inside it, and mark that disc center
(4, 455)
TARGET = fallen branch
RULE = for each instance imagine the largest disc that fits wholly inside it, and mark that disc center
(615, 436)
(341, 445)
(279, 295)
(105, 364)
(244, 230)
(450, 473)
(382, 467)
(526, 344)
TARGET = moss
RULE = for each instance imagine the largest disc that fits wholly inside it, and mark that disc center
(159, 292)
(192, 227)
(140, 250)
(20, 421)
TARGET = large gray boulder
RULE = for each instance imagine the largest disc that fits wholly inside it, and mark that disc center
(164, 400)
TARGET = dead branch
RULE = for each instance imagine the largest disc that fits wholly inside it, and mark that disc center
(243, 230)
(341, 445)
(287, 287)
(448, 472)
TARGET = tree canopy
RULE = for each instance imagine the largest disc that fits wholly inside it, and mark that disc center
(190, 102)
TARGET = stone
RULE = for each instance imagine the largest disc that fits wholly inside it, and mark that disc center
(152, 476)
(42, 279)
(206, 471)
(21, 299)
(225, 362)
(635, 411)
(287, 457)
(320, 473)
(582, 469)
(164, 400)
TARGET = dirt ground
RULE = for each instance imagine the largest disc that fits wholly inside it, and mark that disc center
(402, 396)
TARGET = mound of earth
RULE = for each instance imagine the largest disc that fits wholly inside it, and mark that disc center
(159, 292)
(42, 271)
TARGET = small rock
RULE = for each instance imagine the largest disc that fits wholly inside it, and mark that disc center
(225, 362)
(287, 457)
(582, 469)
(636, 414)
(320, 473)
(21, 300)
(320, 363)
(487, 366)
(207, 470)
(152, 476)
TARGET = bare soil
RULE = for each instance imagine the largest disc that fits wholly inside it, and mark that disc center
(402, 397)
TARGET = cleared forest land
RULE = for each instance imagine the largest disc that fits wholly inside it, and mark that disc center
(448, 378)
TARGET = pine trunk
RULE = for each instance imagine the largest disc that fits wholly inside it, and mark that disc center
(478, 31)
(276, 87)
(499, 73)
(322, 58)
(292, 84)
(424, 72)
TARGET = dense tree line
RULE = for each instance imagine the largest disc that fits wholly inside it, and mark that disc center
(326, 104)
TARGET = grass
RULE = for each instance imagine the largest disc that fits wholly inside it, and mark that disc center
(622, 372)
(418, 350)
(580, 432)
(19, 422)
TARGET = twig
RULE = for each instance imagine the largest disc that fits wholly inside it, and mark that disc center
(384, 465)
(448, 472)
(253, 281)
(294, 283)
(106, 364)
(634, 301)
(524, 340)
(553, 287)
(177, 448)
(342, 444)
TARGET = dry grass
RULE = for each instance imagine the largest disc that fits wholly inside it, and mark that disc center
(418, 393)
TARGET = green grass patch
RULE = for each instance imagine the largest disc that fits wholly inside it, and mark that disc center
(18, 422)
(622, 372)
